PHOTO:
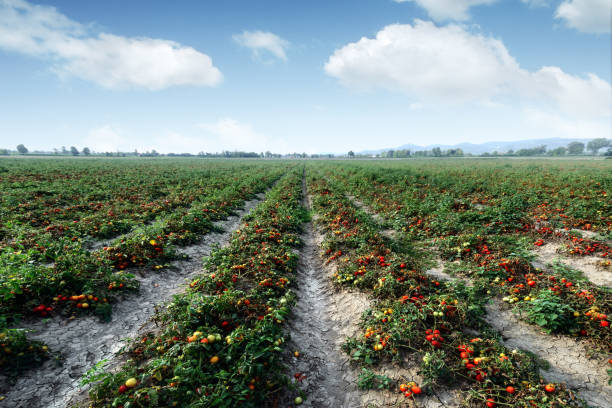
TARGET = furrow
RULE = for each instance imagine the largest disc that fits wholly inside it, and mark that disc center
(322, 319)
(568, 359)
(86, 341)
(570, 362)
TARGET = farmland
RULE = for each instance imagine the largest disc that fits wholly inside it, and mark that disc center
(192, 282)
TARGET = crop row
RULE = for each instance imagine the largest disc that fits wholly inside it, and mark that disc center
(76, 271)
(492, 243)
(220, 342)
(100, 199)
(419, 319)
(79, 281)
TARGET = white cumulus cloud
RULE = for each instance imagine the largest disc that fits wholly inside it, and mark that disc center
(259, 41)
(589, 16)
(588, 96)
(448, 9)
(106, 59)
(451, 64)
(425, 60)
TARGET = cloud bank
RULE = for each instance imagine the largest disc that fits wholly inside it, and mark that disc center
(453, 65)
(109, 60)
(588, 16)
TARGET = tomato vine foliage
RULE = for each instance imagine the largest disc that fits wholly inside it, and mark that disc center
(54, 212)
(485, 217)
(220, 342)
(414, 316)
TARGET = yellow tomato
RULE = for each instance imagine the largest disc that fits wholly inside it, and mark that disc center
(131, 382)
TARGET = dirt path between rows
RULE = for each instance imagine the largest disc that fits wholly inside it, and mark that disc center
(568, 359)
(321, 320)
(95, 245)
(85, 341)
(438, 272)
(588, 265)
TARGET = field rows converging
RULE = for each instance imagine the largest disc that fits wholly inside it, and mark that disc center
(57, 290)
(319, 204)
(321, 320)
(86, 341)
(572, 363)
(318, 284)
(567, 361)
(220, 341)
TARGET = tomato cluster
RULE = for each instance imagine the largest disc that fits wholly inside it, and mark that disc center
(49, 225)
(418, 314)
(222, 339)
(485, 227)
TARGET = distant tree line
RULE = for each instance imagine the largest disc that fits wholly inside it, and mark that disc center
(73, 151)
(573, 149)
(435, 152)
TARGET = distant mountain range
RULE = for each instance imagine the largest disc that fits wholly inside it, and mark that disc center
(488, 147)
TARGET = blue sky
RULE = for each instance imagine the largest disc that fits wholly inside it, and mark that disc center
(305, 76)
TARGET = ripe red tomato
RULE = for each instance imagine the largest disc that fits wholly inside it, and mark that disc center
(510, 389)
(490, 402)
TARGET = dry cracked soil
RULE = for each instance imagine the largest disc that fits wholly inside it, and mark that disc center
(569, 360)
(321, 320)
(588, 265)
(82, 342)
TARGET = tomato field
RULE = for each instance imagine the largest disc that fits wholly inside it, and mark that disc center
(224, 283)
